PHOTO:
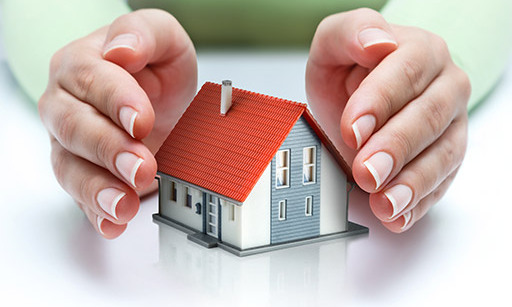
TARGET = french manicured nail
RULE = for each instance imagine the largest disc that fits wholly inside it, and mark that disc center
(399, 196)
(375, 36)
(128, 164)
(127, 40)
(363, 128)
(407, 218)
(380, 166)
(99, 220)
(127, 117)
(108, 199)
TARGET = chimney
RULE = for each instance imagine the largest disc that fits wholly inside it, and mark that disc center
(225, 97)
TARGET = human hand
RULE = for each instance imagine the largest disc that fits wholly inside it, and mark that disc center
(394, 97)
(112, 98)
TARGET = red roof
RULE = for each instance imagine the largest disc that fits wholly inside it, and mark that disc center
(228, 154)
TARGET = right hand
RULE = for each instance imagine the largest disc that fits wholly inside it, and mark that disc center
(112, 99)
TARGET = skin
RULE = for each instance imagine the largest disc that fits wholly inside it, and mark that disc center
(81, 109)
(417, 95)
(399, 83)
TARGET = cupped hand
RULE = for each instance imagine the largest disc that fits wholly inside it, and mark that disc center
(112, 98)
(394, 104)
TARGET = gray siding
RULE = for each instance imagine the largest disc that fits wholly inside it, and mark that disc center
(296, 225)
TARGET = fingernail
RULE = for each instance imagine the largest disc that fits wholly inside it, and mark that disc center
(127, 117)
(99, 220)
(127, 40)
(128, 164)
(407, 218)
(375, 36)
(399, 196)
(363, 128)
(108, 199)
(380, 166)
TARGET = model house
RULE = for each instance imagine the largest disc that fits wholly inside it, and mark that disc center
(249, 173)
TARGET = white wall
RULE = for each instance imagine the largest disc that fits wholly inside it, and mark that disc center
(231, 229)
(333, 195)
(177, 210)
(255, 214)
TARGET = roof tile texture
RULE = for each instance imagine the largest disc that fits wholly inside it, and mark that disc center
(227, 154)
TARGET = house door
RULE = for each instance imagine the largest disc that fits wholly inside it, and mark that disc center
(212, 216)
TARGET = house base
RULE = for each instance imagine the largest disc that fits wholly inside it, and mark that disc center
(210, 242)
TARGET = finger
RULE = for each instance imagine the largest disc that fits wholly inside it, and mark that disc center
(82, 72)
(354, 79)
(103, 226)
(81, 130)
(94, 187)
(398, 79)
(410, 131)
(408, 218)
(360, 37)
(154, 47)
(423, 175)
(146, 37)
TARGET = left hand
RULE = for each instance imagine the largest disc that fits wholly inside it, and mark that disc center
(394, 104)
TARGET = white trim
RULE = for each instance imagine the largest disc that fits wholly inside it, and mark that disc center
(281, 212)
(285, 169)
(308, 206)
(309, 165)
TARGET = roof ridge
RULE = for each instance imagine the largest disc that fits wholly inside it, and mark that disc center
(263, 96)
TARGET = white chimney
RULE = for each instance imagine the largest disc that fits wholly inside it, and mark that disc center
(225, 97)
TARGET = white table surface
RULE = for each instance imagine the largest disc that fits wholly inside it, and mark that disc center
(50, 255)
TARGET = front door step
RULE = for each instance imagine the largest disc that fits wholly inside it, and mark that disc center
(203, 239)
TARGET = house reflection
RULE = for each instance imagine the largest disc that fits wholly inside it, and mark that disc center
(309, 271)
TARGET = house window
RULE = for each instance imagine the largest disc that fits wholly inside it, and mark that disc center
(282, 210)
(309, 206)
(173, 191)
(188, 200)
(232, 212)
(309, 165)
(283, 169)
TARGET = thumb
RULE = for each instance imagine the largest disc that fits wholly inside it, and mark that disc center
(360, 37)
(145, 37)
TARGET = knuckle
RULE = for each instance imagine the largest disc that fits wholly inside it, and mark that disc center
(436, 118)
(402, 143)
(325, 23)
(449, 158)
(85, 77)
(440, 46)
(384, 94)
(103, 148)
(413, 72)
(66, 126)
(84, 189)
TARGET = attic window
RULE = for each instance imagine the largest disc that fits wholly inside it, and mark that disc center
(309, 163)
(283, 169)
